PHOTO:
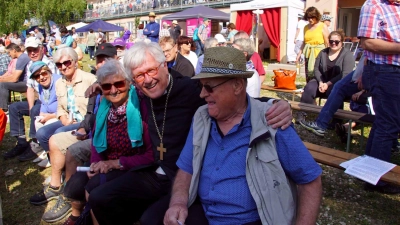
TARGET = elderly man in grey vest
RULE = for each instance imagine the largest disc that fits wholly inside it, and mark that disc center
(234, 167)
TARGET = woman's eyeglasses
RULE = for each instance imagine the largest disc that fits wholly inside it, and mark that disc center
(334, 41)
(43, 74)
(151, 72)
(108, 86)
(209, 89)
(65, 63)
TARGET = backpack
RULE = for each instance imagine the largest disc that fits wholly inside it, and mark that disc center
(195, 35)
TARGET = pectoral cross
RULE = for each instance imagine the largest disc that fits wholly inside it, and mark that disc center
(161, 149)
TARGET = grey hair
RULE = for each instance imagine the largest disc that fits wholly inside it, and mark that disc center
(111, 67)
(66, 51)
(136, 55)
(240, 34)
(210, 42)
(245, 45)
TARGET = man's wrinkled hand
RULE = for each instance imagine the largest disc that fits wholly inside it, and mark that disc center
(175, 213)
(279, 115)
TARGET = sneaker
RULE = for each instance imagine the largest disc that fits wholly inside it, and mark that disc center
(385, 189)
(27, 155)
(45, 195)
(313, 127)
(44, 163)
(60, 210)
(17, 150)
(42, 155)
(36, 148)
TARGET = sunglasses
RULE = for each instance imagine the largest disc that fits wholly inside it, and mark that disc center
(151, 72)
(108, 86)
(334, 41)
(311, 17)
(209, 89)
(65, 63)
(37, 76)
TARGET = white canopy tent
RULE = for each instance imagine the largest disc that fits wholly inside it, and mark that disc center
(288, 21)
(76, 25)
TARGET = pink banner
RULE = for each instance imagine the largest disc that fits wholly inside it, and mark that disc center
(191, 25)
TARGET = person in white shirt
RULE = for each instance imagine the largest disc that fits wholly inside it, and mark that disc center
(299, 37)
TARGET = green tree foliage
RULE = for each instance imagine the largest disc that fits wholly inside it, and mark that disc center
(14, 13)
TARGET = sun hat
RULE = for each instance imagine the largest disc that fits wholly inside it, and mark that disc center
(220, 38)
(32, 32)
(152, 14)
(174, 22)
(106, 49)
(32, 42)
(224, 62)
(119, 42)
(35, 67)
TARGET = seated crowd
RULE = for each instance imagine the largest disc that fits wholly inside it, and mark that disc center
(167, 137)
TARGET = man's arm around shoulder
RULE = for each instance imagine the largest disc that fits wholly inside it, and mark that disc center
(178, 209)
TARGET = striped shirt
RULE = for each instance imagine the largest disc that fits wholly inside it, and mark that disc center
(379, 19)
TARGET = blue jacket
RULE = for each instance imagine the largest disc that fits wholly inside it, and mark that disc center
(51, 105)
(152, 30)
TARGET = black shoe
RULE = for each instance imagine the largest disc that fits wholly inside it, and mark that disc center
(17, 150)
(385, 189)
(27, 155)
(60, 210)
(45, 195)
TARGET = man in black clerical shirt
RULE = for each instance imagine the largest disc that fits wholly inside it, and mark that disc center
(172, 100)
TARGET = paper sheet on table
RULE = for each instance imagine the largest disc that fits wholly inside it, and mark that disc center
(368, 169)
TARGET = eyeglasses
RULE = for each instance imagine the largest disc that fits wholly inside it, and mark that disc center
(209, 89)
(65, 63)
(108, 86)
(334, 41)
(43, 74)
(168, 50)
(151, 72)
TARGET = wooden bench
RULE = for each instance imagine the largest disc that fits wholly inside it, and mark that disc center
(334, 158)
(271, 88)
(340, 114)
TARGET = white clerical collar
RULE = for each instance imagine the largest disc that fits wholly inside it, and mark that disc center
(169, 81)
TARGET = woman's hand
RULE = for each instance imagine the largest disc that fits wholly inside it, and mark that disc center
(46, 117)
(103, 166)
(357, 95)
(323, 87)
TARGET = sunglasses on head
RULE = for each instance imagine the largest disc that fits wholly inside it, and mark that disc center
(65, 63)
(334, 41)
(209, 89)
(107, 86)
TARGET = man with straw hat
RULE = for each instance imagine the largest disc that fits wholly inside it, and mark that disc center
(234, 168)
(152, 29)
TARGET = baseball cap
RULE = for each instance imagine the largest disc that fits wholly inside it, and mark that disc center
(32, 32)
(106, 49)
(35, 67)
(205, 19)
(119, 42)
(174, 22)
(32, 42)
(326, 18)
(300, 15)
(220, 38)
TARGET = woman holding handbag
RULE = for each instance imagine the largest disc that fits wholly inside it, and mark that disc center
(331, 65)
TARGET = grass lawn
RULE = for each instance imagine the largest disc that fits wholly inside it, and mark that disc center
(344, 200)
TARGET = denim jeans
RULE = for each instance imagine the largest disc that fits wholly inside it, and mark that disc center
(199, 48)
(342, 90)
(91, 51)
(383, 82)
(17, 111)
(43, 134)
